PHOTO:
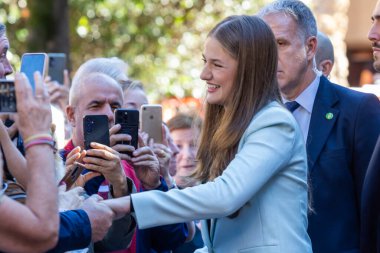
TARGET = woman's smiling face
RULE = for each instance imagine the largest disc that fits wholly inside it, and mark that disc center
(219, 72)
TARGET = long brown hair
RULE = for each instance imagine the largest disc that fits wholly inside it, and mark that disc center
(251, 42)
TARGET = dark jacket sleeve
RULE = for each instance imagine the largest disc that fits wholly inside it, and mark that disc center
(370, 206)
(367, 130)
(74, 231)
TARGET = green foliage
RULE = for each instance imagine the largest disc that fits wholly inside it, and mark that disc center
(160, 39)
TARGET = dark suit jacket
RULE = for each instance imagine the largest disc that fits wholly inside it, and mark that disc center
(339, 149)
(370, 212)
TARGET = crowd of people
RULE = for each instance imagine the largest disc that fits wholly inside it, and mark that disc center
(283, 160)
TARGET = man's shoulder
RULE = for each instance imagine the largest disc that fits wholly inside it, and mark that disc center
(347, 95)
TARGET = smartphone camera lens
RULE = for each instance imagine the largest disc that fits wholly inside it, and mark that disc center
(89, 127)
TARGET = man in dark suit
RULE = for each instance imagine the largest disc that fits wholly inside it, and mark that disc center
(370, 209)
(370, 212)
(340, 128)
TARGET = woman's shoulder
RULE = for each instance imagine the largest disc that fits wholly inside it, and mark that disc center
(276, 119)
(273, 112)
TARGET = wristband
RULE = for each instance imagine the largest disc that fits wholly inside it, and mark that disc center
(41, 141)
(37, 136)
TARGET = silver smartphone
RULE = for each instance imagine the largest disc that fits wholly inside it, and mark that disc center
(151, 121)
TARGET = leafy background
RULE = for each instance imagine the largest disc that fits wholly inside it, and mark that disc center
(160, 39)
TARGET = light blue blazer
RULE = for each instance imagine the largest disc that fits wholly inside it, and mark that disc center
(267, 181)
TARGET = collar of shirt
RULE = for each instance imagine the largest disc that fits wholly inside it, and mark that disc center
(307, 97)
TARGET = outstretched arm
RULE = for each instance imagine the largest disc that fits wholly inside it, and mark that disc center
(32, 227)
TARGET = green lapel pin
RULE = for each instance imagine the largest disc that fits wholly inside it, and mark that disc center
(329, 115)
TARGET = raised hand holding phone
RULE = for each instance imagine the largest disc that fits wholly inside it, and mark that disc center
(74, 169)
(146, 166)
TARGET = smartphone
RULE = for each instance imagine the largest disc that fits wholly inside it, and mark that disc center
(129, 121)
(151, 121)
(7, 96)
(95, 129)
(57, 64)
(32, 62)
(72, 175)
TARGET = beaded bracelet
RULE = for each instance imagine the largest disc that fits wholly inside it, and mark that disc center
(37, 136)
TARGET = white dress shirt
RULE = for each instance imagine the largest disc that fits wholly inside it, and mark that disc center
(306, 100)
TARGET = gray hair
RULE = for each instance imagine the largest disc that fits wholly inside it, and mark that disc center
(113, 67)
(3, 30)
(301, 14)
(133, 85)
(325, 49)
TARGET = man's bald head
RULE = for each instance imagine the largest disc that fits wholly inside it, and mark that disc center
(325, 54)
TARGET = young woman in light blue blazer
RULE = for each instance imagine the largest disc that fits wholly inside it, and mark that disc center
(251, 157)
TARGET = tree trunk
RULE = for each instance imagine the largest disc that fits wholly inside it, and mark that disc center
(49, 27)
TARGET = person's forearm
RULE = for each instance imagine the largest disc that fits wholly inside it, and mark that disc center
(42, 189)
(40, 162)
(15, 160)
(120, 206)
(120, 187)
(20, 230)
(33, 227)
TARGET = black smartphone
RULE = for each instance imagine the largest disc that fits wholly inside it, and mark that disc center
(57, 64)
(129, 121)
(7, 96)
(32, 62)
(95, 129)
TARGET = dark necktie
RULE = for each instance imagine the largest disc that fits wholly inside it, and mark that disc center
(292, 106)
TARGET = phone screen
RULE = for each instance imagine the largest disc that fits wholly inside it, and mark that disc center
(7, 96)
(32, 62)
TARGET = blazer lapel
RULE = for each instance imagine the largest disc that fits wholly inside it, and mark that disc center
(322, 120)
